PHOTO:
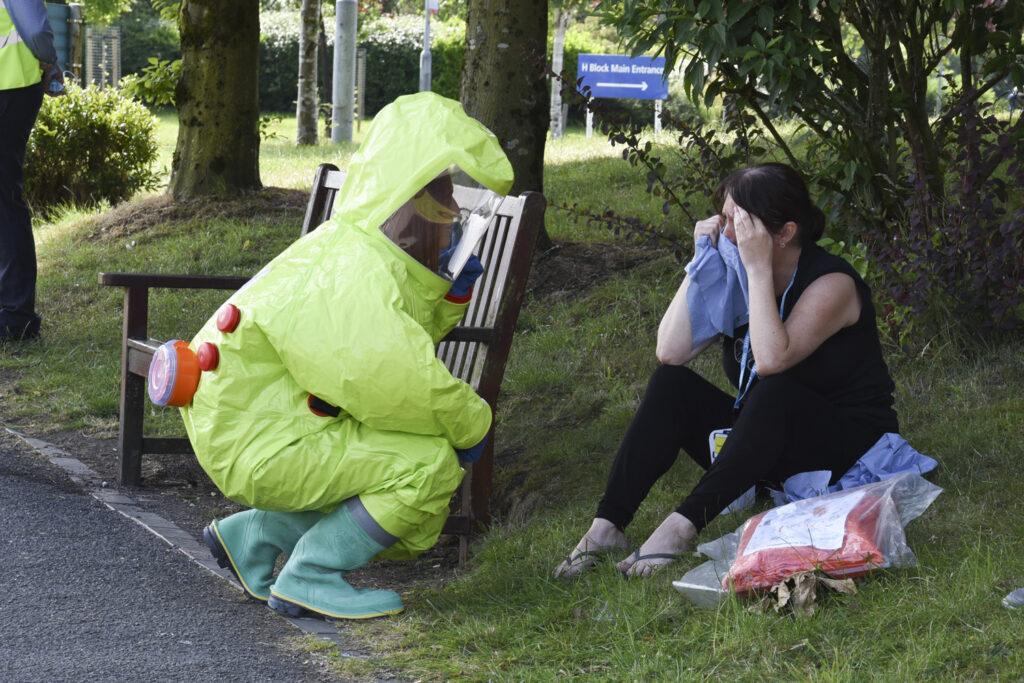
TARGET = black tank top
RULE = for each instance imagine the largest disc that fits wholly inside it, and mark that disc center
(848, 369)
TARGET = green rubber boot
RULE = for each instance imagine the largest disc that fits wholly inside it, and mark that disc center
(311, 582)
(249, 542)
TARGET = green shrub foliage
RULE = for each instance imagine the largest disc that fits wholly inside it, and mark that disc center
(393, 47)
(155, 84)
(447, 55)
(392, 44)
(392, 61)
(279, 61)
(146, 35)
(89, 146)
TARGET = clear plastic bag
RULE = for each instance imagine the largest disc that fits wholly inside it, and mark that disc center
(847, 533)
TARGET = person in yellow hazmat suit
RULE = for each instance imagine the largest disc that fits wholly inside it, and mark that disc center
(320, 401)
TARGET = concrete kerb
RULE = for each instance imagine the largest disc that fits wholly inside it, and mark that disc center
(168, 532)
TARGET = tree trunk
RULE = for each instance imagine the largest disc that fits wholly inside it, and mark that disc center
(562, 18)
(218, 148)
(307, 102)
(503, 83)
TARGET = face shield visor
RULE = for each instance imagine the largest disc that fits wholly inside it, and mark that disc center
(441, 227)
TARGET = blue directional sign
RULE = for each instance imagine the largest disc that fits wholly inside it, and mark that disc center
(621, 76)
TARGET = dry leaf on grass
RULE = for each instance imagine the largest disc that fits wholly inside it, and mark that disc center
(799, 593)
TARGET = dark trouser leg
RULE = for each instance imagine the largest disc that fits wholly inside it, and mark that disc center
(783, 429)
(18, 111)
(679, 409)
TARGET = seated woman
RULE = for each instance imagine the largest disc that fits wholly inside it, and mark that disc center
(813, 390)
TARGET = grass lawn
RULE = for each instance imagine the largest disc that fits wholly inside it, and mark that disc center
(578, 367)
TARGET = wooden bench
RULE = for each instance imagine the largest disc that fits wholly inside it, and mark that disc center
(475, 352)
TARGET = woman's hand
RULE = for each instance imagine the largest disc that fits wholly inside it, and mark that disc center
(754, 241)
(712, 227)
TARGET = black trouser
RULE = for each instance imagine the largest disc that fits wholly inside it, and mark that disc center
(783, 429)
(18, 111)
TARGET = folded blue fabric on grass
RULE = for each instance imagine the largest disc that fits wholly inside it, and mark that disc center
(891, 455)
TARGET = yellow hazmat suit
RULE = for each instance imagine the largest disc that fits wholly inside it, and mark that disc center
(346, 316)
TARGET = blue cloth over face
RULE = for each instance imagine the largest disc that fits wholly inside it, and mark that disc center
(717, 296)
(891, 455)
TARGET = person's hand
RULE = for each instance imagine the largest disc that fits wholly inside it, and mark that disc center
(463, 284)
(51, 74)
(471, 454)
(753, 240)
(712, 227)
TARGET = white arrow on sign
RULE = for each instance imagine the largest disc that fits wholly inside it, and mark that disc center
(642, 86)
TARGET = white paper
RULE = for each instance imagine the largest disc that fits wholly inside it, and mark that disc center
(808, 522)
(473, 231)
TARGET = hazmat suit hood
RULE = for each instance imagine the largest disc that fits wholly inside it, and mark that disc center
(391, 165)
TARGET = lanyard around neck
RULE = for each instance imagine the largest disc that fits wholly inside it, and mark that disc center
(747, 380)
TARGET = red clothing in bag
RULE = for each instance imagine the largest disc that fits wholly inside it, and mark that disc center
(839, 534)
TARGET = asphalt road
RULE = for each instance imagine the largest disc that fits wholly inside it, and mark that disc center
(87, 595)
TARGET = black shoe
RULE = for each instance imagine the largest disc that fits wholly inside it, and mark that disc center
(288, 608)
(21, 332)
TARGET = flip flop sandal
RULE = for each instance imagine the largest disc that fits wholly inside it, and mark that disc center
(653, 556)
(581, 558)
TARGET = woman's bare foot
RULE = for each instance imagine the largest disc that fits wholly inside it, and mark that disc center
(672, 537)
(601, 537)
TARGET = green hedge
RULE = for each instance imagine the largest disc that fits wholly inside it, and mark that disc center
(87, 147)
(392, 59)
(279, 61)
(392, 46)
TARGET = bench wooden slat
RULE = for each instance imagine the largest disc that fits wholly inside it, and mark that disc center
(161, 281)
(168, 446)
(476, 351)
(139, 359)
(144, 345)
(469, 334)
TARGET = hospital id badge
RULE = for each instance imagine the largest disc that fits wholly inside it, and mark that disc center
(716, 440)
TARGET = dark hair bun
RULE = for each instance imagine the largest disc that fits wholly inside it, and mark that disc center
(812, 227)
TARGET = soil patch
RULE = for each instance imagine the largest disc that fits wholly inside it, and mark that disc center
(570, 269)
(162, 212)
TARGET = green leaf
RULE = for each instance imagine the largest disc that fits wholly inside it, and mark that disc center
(1017, 74)
(849, 175)
(720, 33)
(737, 11)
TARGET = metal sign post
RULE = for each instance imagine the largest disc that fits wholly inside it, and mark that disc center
(429, 7)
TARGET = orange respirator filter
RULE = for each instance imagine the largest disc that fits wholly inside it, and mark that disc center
(173, 374)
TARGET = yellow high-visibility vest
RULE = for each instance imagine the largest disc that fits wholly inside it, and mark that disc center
(18, 66)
